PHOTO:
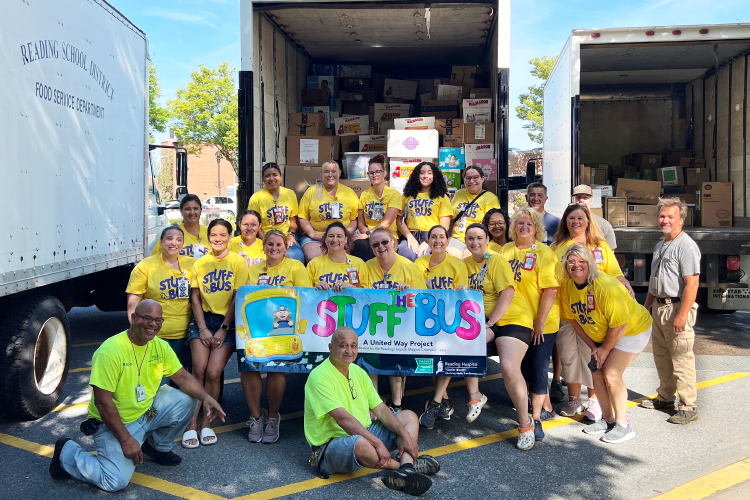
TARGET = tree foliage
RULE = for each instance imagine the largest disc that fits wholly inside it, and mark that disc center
(531, 108)
(158, 115)
(205, 112)
(164, 177)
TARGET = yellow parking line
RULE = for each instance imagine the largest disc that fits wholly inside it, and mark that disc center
(171, 488)
(84, 369)
(71, 407)
(709, 484)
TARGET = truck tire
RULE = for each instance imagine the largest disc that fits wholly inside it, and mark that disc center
(35, 335)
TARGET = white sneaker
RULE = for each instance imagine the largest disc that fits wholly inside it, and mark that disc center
(593, 411)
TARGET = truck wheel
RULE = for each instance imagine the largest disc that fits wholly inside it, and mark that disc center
(34, 364)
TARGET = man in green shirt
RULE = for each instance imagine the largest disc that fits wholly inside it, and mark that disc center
(338, 398)
(130, 412)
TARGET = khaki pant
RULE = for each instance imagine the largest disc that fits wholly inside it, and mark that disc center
(574, 356)
(673, 355)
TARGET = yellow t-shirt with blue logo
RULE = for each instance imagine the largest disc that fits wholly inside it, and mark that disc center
(318, 206)
(114, 368)
(422, 213)
(217, 280)
(368, 200)
(474, 213)
(322, 268)
(603, 255)
(612, 306)
(154, 279)
(529, 286)
(497, 277)
(445, 276)
(264, 203)
(288, 272)
(252, 254)
(494, 247)
(403, 271)
(192, 247)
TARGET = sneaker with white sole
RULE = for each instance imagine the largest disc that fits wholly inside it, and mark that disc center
(271, 430)
(448, 409)
(431, 410)
(255, 434)
(572, 408)
(599, 427)
(593, 410)
(408, 480)
(475, 408)
(618, 434)
(548, 415)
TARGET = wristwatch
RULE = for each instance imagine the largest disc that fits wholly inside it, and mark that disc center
(224, 327)
(367, 233)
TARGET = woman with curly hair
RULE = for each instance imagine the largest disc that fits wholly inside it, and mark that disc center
(497, 223)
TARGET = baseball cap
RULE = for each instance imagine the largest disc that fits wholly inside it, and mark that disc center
(582, 189)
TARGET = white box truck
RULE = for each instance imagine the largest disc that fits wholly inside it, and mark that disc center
(282, 40)
(661, 90)
(74, 139)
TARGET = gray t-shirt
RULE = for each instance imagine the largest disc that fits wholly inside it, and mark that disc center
(671, 263)
(607, 231)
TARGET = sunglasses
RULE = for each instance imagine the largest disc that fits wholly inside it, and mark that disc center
(351, 389)
(376, 244)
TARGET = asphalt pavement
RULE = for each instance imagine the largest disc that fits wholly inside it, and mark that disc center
(478, 460)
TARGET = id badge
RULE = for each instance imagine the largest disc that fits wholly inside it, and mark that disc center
(377, 211)
(528, 262)
(599, 255)
(263, 279)
(654, 285)
(590, 302)
(199, 251)
(353, 276)
(461, 225)
(384, 286)
(183, 288)
(140, 393)
(278, 216)
(336, 211)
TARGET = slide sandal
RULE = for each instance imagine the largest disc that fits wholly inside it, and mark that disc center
(207, 433)
(187, 436)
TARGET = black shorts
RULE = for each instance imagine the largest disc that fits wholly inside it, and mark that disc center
(515, 331)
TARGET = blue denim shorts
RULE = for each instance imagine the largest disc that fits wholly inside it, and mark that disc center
(213, 323)
(305, 239)
(338, 457)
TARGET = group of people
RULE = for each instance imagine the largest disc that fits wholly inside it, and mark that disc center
(552, 289)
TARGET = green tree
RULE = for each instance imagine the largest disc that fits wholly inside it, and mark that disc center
(205, 112)
(164, 177)
(532, 104)
(158, 115)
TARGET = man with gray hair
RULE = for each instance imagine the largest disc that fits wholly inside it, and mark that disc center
(675, 269)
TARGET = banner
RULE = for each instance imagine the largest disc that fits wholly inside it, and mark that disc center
(414, 332)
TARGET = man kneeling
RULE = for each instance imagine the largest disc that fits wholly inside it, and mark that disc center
(338, 398)
(130, 414)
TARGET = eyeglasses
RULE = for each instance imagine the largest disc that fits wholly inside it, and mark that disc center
(496, 224)
(472, 178)
(352, 390)
(374, 173)
(149, 319)
(376, 244)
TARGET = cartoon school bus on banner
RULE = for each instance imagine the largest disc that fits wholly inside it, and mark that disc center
(271, 325)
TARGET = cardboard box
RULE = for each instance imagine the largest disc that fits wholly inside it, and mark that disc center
(670, 176)
(597, 211)
(310, 151)
(689, 220)
(372, 143)
(466, 75)
(385, 111)
(354, 108)
(355, 71)
(605, 189)
(691, 189)
(692, 163)
(477, 110)
(647, 174)
(643, 215)
(480, 94)
(599, 175)
(320, 97)
(452, 178)
(478, 152)
(596, 196)
(440, 109)
(637, 191)
(451, 158)
(325, 70)
(417, 123)
(355, 164)
(687, 198)
(716, 204)
(307, 124)
(298, 179)
(322, 82)
(384, 126)
(413, 143)
(488, 166)
(673, 157)
(479, 133)
(452, 127)
(352, 125)
(646, 161)
(448, 93)
(616, 211)
(358, 185)
(354, 84)
(400, 89)
(349, 144)
(368, 96)
(324, 110)
(697, 176)
(586, 174)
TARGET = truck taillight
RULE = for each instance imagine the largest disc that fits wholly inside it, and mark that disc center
(677, 32)
(704, 31)
(595, 35)
(650, 33)
(733, 262)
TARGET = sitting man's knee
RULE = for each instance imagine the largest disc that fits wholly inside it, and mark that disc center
(112, 483)
(407, 416)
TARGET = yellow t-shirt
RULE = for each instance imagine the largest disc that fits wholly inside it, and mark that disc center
(603, 254)
(530, 283)
(154, 279)
(403, 271)
(497, 277)
(252, 255)
(319, 207)
(321, 268)
(368, 201)
(445, 276)
(494, 247)
(422, 213)
(612, 307)
(218, 279)
(193, 247)
(475, 213)
(327, 389)
(264, 203)
(114, 368)
(288, 272)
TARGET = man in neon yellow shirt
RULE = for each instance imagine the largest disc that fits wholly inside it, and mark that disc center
(338, 398)
(129, 413)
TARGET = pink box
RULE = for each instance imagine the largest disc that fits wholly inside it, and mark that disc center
(489, 166)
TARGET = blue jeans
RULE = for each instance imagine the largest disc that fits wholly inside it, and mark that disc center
(295, 252)
(109, 469)
(339, 455)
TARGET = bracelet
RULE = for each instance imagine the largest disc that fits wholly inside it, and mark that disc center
(204, 328)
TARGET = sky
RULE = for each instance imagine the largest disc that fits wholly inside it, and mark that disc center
(185, 33)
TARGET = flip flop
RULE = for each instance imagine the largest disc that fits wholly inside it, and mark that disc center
(187, 436)
(207, 433)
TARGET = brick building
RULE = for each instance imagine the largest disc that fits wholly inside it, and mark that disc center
(202, 172)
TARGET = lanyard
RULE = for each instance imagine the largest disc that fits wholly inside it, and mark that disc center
(664, 249)
(136, 360)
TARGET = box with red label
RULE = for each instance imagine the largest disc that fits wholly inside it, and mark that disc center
(416, 123)
(488, 166)
(413, 143)
(479, 133)
(387, 111)
(475, 152)
(352, 125)
(372, 143)
(477, 110)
